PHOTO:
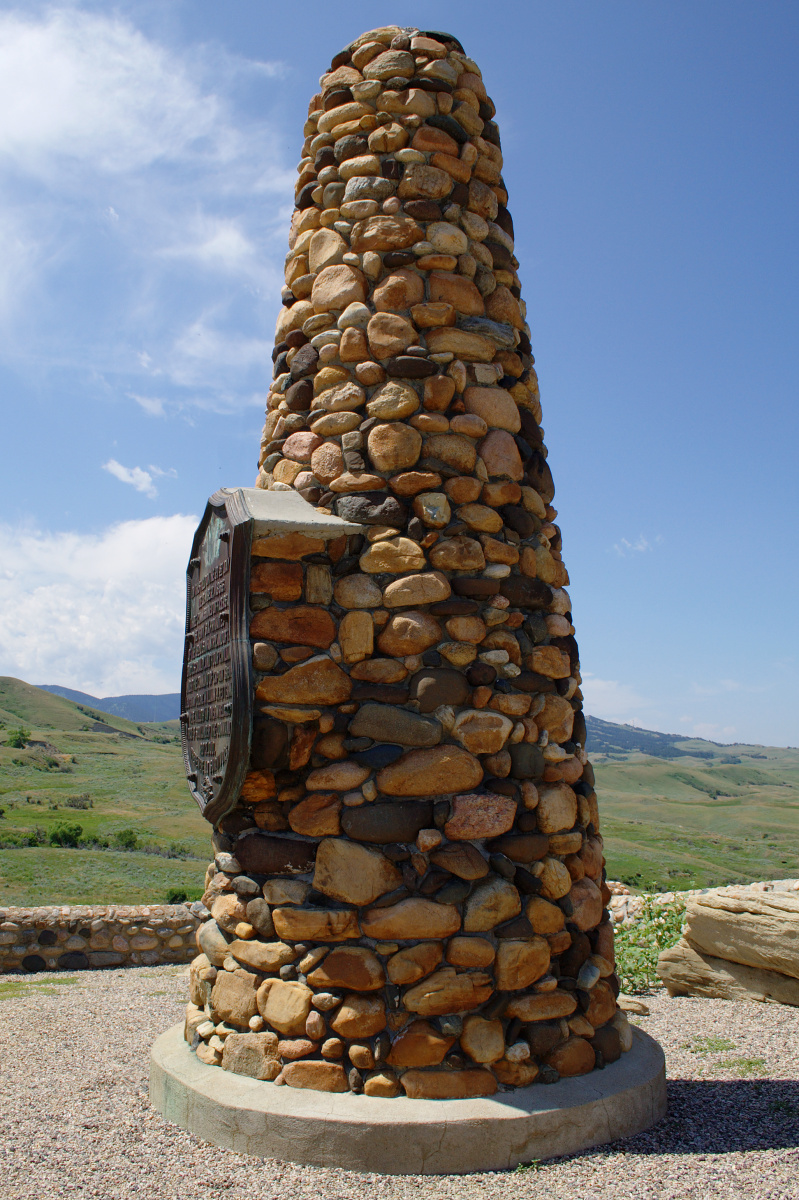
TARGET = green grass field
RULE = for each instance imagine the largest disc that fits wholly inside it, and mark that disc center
(675, 813)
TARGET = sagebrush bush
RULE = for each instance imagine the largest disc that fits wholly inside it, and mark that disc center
(639, 942)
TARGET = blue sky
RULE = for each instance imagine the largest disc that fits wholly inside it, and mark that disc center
(147, 158)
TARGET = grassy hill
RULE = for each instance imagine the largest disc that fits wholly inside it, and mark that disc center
(122, 783)
(676, 812)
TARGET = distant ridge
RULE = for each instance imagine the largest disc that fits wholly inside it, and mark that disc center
(165, 707)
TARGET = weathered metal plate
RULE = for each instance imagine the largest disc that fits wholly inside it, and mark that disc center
(216, 696)
(216, 688)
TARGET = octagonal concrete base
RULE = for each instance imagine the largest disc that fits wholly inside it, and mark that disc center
(408, 1137)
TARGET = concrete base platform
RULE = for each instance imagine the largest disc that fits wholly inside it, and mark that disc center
(408, 1137)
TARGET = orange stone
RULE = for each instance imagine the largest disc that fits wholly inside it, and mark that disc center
(304, 626)
(419, 1045)
(318, 1076)
(286, 545)
(430, 772)
(448, 1085)
(317, 681)
(282, 581)
(317, 816)
(458, 291)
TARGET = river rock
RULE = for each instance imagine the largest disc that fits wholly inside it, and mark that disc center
(491, 902)
(483, 1039)
(233, 997)
(408, 966)
(359, 1016)
(521, 963)
(419, 1045)
(353, 874)
(448, 1085)
(447, 991)
(436, 771)
(352, 967)
(253, 1054)
(318, 1076)
(399, 821)
(476, 815)
(411, 919)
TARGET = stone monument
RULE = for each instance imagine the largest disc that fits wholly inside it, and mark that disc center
(382, 713)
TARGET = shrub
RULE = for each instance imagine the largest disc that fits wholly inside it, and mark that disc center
(82, 801)
(182, 896)
(18, 738)
(66, 835)
(127, 839)
(640, 941)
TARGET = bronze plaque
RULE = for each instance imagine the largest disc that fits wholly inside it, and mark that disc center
(216, 691)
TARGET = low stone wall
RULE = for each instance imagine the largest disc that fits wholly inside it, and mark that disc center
(81, 936)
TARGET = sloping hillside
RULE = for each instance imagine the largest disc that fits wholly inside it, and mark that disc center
(164, 707)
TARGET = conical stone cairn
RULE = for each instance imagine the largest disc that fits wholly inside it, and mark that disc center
(409, 896)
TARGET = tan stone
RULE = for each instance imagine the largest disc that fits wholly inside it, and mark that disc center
(686, 971)
(501, 456)
(382, 1083)
(550, 661)
(452, 449)
(602, 1006)
(557, 807)
(436, 771)
(411, 919)
(398, 291)
(300, 625)
(253, 1054)
(586, 900)
(428, 588)
(457, 291)
(356, 591)
(353, 347)
(393, 401)
(469, 347)
(284, 1005)
(460, 654)
(419, 1045)
(379, 670)
(521, 963)
(429, 183)
(318, 815)
(292, 318)
(336, 287)
(481, 518)
(282, 581)
(457, 554)
(496, 407)
(359, 1016)
(351, 873)
(557, 717)
(479, 816)
(470, 952)
(466, 629)
(356, 636)
(286, 545)
(448, 1085)
(317, 681)
(266, 957)
(543, 1006)
(325, 249)
(233, 997)
(491, 903)
(447, 991)
(317, 1076)
(228, 910)
(555, 878)
(756, 930)
(393, 556)
(572, 1057)
(483, 1039)
(294, 1048)
(515, 1074)
(385, 233)
(317, 925)
(482, 732)
(327, 462)
(393, 446)
(407, 966)
(342, 398)
(389, 334)
(409, 633)
(337, 777)
(352, 967)
(544, 917)
(462, 860)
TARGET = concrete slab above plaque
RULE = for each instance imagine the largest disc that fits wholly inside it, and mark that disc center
(216, 687)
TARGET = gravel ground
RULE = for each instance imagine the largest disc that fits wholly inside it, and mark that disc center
(76, 1120)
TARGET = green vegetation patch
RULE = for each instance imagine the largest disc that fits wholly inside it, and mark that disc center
(639, 943)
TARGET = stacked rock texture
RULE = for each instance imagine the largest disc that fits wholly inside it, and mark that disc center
(409, 896)
(79, 936)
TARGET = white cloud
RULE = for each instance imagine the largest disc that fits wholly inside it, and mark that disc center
(714, 733)
(101, 612)
(611, 700)
(137, 477)
(152, 405)
(640, 546)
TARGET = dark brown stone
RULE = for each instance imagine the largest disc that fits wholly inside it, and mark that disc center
(269, 744)
(527, 762)
(454, 608)
(423, 210)
(607, 1041)
(481, 674)
(263, 855)
(384, 693)
(436, 686)
(479, 588)
(539, 477)
(300, 395)
(399, 821)
(521, 849)
(518, 519)
(542, 1036)
(530, 681)
(398, 258)
(526, 593)
(371, 508)
(519, 927)
(407, 366)
(573, 958)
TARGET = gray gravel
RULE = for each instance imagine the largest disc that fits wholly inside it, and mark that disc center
(76, 1120)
